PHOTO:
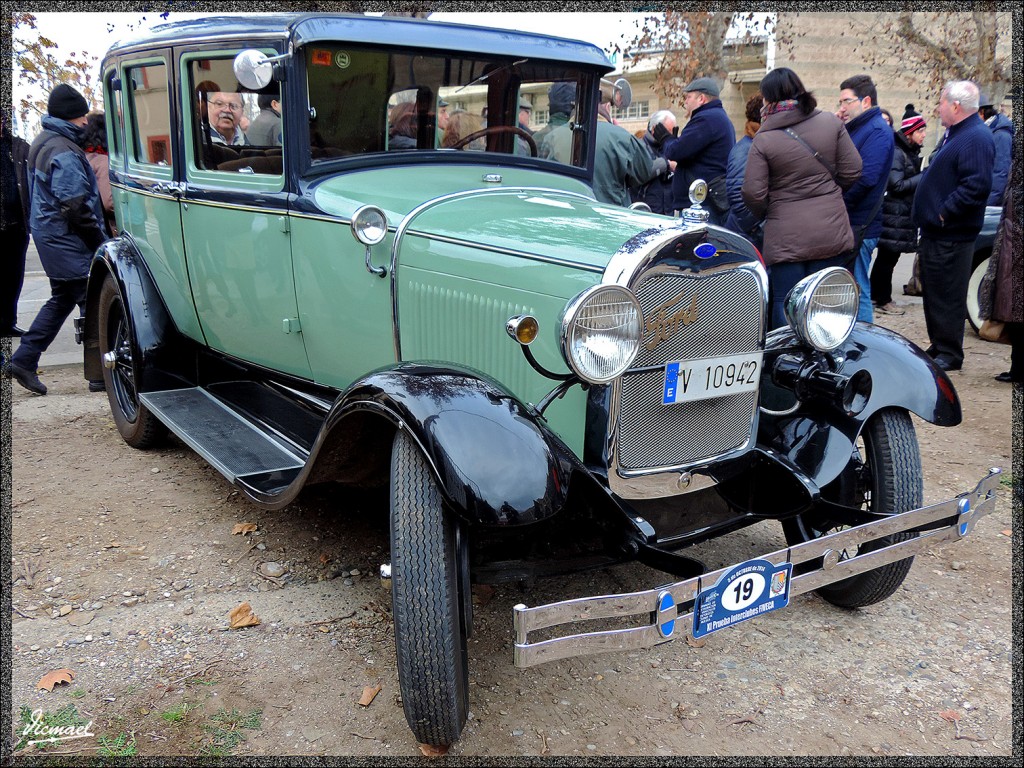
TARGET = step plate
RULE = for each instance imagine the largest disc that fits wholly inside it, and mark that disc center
(222, 437)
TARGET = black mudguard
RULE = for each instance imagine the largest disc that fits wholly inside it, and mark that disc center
(163, 354)
(496, 462)
(819, 438)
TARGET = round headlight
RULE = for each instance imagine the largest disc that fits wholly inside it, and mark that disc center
(822, 308)
(601, 331)
(369, 225)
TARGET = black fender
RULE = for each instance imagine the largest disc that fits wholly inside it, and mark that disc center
(496, 461)
(818, 438)
(163, 353)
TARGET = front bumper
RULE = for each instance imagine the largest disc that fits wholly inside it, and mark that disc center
(947, 521)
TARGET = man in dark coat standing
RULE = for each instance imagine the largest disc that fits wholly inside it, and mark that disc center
(66, 223)
(872, 135)
(702, 149)
(1002, 134)
(15, 226)
(949, 207)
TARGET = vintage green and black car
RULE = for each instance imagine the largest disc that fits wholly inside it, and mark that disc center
(371, 296)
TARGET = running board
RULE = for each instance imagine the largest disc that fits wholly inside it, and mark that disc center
(235, 447)
(659, 611)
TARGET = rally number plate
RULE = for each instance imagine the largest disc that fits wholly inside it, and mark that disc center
(750, 589)
(690, 380)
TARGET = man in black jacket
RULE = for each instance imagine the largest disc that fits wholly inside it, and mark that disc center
(66, 223)
(14, 226)
(949, 207)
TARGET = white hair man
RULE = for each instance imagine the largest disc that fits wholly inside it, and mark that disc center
(949, 207)
(657, 193)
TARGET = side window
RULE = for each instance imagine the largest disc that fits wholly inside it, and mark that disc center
(115, 118)
(235, 131)
(150, 120)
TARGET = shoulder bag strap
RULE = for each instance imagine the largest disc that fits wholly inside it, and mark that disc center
(813, 151)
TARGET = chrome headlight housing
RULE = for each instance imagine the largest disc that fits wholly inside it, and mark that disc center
(822, 308)
(601, 332)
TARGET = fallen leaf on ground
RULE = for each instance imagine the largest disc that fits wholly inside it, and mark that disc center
(369, 694)
(55, 677)
(325, 559)
(1007, 532)
(950, 715)
(434, 750)
(242, 616)
(243, 528)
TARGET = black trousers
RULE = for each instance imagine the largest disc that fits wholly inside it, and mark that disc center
(65, 296)
(12, 273)
(945, 273)
(881, 275)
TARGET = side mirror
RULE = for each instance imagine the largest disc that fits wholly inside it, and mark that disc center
(622, 96)
(622, 92)
(254, 69)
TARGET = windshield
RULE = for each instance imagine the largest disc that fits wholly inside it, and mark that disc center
(367, 100)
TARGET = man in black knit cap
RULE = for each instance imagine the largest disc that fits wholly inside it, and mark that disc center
(67, 226)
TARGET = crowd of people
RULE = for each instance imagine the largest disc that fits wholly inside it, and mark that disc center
(810, 188)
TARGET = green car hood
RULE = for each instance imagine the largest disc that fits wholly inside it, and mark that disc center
(528, 211)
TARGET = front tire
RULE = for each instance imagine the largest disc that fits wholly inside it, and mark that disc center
(137, 425)
(427, 593)
(884, 476)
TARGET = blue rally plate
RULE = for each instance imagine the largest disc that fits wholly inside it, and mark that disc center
(750, 589)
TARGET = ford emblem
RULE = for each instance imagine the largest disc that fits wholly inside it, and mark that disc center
(705, 251)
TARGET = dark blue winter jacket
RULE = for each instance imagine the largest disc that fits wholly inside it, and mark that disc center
(956, 184)
(67, 213)
(701, 151)
(1002, 134)
(874, 141)
(740, 218)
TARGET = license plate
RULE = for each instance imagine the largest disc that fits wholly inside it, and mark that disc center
(750, 589)
(689, 380)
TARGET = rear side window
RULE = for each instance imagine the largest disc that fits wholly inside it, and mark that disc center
(150, 118)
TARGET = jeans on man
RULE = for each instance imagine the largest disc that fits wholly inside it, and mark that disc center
(945, 273)
(860, 274)
(65, 295)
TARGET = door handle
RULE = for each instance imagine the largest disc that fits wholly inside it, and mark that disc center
(172, 188)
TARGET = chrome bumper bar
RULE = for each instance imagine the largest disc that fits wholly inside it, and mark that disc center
(965, 510)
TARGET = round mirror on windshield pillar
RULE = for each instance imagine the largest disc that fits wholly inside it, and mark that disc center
(253, 69)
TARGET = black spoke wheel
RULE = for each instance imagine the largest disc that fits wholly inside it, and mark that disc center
(884, 476)
(138, 427)
(430, 597)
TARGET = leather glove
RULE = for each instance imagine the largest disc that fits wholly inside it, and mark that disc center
(660, 133)
(675, 131)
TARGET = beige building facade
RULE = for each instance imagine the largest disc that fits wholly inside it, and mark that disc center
(822, 53)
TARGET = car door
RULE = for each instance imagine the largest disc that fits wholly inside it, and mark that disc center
(145, 167)
(234, 214)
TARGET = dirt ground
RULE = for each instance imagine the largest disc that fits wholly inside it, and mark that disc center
(124, 569)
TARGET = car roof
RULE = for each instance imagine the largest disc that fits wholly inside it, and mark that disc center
(384, 30)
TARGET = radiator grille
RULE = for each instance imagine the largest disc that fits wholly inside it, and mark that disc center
(698, 317)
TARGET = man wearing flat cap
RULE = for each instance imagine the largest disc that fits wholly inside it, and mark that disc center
(702, 148)
(67, 226)
(1002, 135)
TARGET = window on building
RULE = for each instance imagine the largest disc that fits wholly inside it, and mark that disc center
(638, 110)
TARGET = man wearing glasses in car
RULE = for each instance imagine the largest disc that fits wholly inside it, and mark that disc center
(225, 111)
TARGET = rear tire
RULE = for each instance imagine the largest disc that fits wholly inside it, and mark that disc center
(428, 590)
(883, 476)
(137, 425)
